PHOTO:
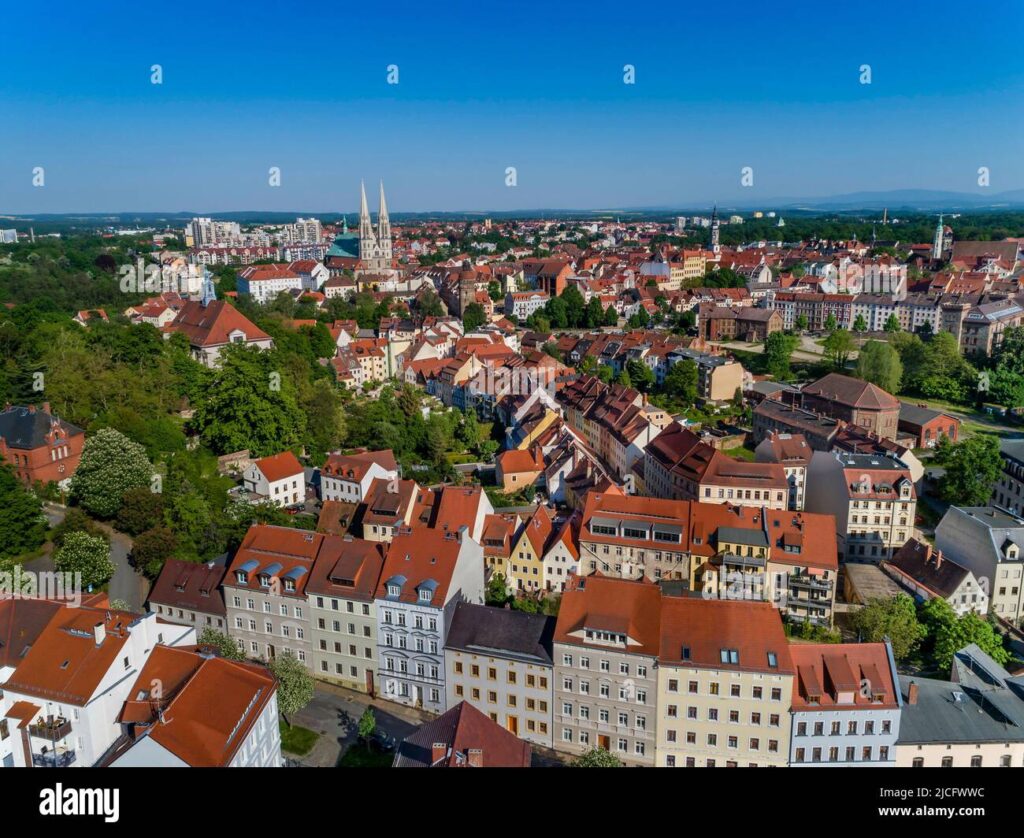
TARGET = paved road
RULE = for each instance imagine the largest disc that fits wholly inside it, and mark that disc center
(334, 713)
(125, 584)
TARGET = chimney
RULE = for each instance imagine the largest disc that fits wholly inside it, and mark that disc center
(100, 632)
(438, 752)
(927, 553)
(938, 559)
(475, 757)
(912, 693)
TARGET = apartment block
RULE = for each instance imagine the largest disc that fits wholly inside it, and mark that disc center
(499, 660)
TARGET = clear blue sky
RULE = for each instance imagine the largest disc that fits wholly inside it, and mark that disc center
(485, 85)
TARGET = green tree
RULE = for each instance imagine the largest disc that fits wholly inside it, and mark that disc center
(954, 635)
(497, 590)
(892, 325)
(220, 644)
(473, 317)
(111, 465)
(429, 304)
(294, 684)
(575, 307)
(558, 312)
(594, 315)
(151, 549)
(972, 466)
(367, 724)
(800, 324)
(611, 316)
(141, 509)
(895, 618)
(85, 554)
(831, 324)
(249, 403)
(189, 516)
(320, 340)
(935, 368)
(641, 375)
(640, 320)
(778, 347)
(681, 382)
(880, 364)
(596, 758)
(22, 523)
(860, 325)
(838, 347)
(469, 430)
(75, 520)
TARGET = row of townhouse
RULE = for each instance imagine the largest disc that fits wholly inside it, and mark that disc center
(92, 686)
(718, 550)
(976, 320)
(615, 421)
(680, 681)
(368, 615)
(678, 465)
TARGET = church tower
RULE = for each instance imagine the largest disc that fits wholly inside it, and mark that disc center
(937, 244)
(715, 246)
(374, 244)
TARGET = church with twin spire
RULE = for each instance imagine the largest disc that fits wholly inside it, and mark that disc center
(374, 242)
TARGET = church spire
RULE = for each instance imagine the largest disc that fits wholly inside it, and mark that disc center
(365, 226)
(383, 222)
(937, 244)
(209, 290)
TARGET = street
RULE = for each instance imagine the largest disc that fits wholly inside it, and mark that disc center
(125, 584)
(334, 713)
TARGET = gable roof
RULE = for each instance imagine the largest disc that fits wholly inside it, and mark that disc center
(206, 708)
(696, 632)
(27, 427)
(466, 738)
(622, 606)
(502, 632)
(852, 392)
(213, 324)
(279, 466)
(192, 586)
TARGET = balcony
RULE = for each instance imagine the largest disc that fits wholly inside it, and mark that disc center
(733, 560)
(810, 583)
(52, 729)
(53, 760)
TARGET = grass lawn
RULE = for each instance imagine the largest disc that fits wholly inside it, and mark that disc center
(297, 740)
(359, 756)
(740, 452)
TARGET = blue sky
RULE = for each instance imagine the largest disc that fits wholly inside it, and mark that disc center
(484, 86)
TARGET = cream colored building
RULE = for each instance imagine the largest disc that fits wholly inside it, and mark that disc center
(499, 661)
(725, 685)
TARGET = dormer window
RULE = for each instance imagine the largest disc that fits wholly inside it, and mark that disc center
(773, 660)
(394, 590)
(264, 580)
(426, 595)
(243, 577)
(289, 584)
(731, 656)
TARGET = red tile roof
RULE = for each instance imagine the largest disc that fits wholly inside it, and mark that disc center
(279, 466)
(208, 705)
